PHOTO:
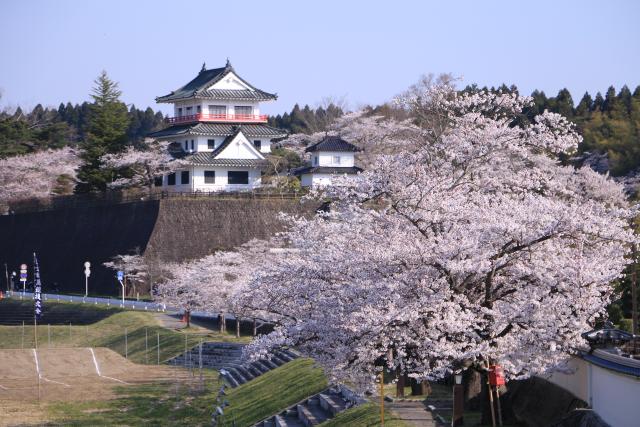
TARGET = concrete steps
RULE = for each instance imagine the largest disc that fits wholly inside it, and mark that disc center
(238, 373)
(313, 410)
(227, 358)
(215, 355)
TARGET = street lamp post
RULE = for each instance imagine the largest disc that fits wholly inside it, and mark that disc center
(458, 401)
(87, 273)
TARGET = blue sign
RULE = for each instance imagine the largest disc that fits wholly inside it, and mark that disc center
(120, 275)
(23, 276)
(37, 289)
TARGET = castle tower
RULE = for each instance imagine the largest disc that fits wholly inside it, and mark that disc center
(219, 130)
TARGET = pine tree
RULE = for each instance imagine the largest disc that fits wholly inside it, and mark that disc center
(106, 133)
(584, 106)
(564, 103)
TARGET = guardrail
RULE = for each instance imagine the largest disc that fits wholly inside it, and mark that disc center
(128, 304)
(115, 302)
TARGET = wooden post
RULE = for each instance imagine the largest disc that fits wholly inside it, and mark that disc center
(255, 327)
(634, 295)
(499, 407)
(493, 411)
(382, 397)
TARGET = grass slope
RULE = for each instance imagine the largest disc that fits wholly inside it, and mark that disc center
(108, 332)
(274, 391)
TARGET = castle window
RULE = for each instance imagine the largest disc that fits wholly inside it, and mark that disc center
(243, 110)
(189, 111)
(336, 160)
(258, 144)
(238, 177)
(171, 179)
(184, 177)
(218, 110)
(209, 177)
(198, 109)
(186, 145)
(157, 181)
(192, 145)
(179, 112)
(211, 144)
(315, 160)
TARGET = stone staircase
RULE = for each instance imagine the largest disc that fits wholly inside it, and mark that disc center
(236, 374)
(215, 355)
(227, 358)
(313, 410)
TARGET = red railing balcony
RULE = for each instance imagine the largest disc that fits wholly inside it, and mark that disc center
(253, 118)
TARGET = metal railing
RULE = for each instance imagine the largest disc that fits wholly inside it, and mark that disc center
(201, 117)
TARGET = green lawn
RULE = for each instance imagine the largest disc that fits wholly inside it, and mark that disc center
(108, 331)
(366, 415)
(185, 405)
(141, 405)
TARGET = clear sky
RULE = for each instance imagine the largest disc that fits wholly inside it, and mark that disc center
(364, 51)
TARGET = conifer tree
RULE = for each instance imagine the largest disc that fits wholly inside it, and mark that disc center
(106, 133)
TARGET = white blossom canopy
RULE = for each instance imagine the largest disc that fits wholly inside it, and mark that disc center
(36, 175)
(471, 242)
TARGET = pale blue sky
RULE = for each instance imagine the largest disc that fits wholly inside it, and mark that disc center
(365, 51)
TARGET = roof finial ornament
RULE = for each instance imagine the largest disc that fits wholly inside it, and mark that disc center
(204, 67)
(228, 63)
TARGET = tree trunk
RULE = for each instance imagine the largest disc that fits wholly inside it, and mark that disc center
(419, 388)
(222, 323)
(400, 383)
(255, 327)
(237, 327)
(187, 317)
(472, 381)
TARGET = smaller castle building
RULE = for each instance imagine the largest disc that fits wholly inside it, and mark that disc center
(331, 157)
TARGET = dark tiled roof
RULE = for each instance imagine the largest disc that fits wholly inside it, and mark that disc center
(328, 170)
(219, 129)
(332, 143)
(206, 78)
(232, 94)
(209, 157)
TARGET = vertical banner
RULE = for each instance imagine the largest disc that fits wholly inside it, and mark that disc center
(37, 289)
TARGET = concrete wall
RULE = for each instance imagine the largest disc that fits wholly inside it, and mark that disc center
(165, 230)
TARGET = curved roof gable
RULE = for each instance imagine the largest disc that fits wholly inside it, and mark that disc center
(202, 86)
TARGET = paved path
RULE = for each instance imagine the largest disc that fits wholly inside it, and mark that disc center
(170, 321)
(414, 413)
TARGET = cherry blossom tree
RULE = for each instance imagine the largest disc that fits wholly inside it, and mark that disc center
(134, 267)
(208, 284)
(144, 165)
(469, 242)
(36, 175)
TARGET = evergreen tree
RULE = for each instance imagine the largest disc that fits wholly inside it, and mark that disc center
(598, 102)
(564, 104)
(106, 133)
(584, 106)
